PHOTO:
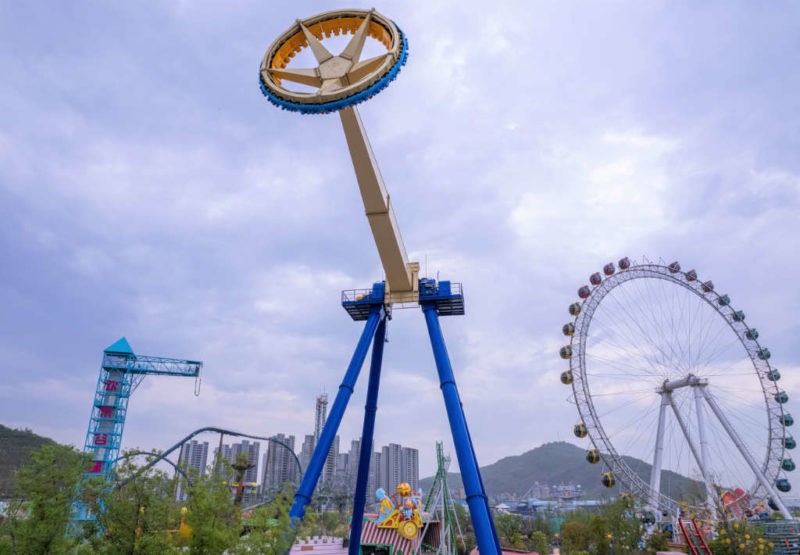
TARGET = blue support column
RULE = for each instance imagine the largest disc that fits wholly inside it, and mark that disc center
(478, 503)
(323, 447)
(365, 453)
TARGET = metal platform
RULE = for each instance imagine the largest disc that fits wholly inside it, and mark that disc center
(357, 302)
(447, 296)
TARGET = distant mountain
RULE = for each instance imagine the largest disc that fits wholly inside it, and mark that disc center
(561, 463)
(16, 447)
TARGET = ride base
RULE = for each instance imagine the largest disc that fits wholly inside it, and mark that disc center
(436, 299)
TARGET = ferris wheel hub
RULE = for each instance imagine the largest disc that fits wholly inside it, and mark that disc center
(689, 381)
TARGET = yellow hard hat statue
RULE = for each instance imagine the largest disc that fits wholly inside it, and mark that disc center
(400, 511)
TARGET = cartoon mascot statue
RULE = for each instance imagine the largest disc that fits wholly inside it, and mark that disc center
(401, 511)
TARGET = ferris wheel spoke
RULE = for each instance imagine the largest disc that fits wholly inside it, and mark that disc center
(656, 327)
(626, 352)
(658, 321)
(717, 352)
(644, 334)
(638, 354)
(621, 365)
(714, 347)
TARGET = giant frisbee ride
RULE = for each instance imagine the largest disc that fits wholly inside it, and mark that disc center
(336, 83)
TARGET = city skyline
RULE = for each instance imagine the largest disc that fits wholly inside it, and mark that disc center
(389, 466)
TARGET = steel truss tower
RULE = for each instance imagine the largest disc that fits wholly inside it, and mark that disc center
(121, 372)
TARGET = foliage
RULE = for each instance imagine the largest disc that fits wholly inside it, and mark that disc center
(211, 512)
(575, 537)
(137, 512)
(466, 543)
(137, 517)
(268, 528)
(48, 483)
(311, 525)
(16, 448)
(739, 538)
(658, 542)
(538, 543)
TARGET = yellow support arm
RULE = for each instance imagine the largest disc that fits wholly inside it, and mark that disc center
(401, 275)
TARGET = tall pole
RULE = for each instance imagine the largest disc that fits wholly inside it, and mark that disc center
(303, 496)
(655, 472)
(693, 448)
(737, 441)
(470, 473)
(701, 431)
(365, 450)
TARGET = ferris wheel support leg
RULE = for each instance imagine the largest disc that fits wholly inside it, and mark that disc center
(746, 454)
(365, 449)
(701, 430)
(485, 534)
(698, 455)
(323, 447)
(655, 476)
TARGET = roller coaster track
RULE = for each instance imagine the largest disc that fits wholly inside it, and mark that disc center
(163, 456)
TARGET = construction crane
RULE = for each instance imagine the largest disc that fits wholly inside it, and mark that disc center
(120, 374)
(341, 82)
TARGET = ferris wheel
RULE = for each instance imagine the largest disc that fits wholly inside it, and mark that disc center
(665, 372)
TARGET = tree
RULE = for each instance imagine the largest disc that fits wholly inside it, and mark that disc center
(269, 529)
(211, 514)
(539, 543)
(575, 536)
(136, 517)
(48, 485)
(330, 522)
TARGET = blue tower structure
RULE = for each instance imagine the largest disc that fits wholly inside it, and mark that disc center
(120, 374)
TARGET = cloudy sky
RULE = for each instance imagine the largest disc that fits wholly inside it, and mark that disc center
(148, 190)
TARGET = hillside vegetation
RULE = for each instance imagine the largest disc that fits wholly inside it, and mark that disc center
(16, 447)
(561, 463)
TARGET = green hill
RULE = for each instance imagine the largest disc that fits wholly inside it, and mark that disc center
(15, 450)
(561, 463)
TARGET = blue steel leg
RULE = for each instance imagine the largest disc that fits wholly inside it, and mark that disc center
(366, 439)
(323, 447)
(470, 474)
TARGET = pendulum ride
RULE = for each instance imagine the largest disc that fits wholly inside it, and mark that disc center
(337, 84)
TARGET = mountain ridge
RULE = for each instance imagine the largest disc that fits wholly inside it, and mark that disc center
(557, 463)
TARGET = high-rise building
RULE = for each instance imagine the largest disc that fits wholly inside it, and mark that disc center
(374, 479)
(330, 462)
(353, 457)
(320, 416)
(391, 456)
(194, 455)
(306, 451)
(230, 452)
(279, 465)
(409, 467)
(340, 470)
